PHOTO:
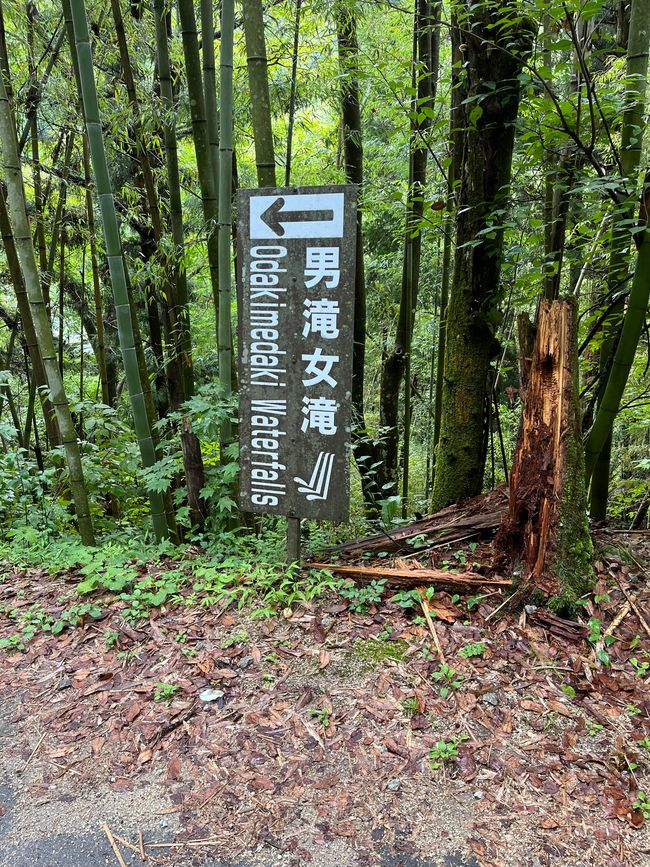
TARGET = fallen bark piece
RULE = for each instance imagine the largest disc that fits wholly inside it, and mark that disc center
(568, 630)
(415, 577)
(479, 516)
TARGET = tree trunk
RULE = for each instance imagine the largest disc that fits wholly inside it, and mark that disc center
(17, 208)
(210, 88)
(292, 92)
(100, 346)
(180, 313)
(366, 453)
(206, 171)
(489, 101)
(116, 266)
(29, 334)
(258, 84)
(621, 239)
(546, 530)
(225, 209)
(396, 366)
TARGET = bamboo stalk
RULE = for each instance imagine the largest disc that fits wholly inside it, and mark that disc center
(115, 259)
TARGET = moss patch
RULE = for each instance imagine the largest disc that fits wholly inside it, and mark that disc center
(373, 651)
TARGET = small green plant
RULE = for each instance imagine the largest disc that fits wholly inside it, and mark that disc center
(12, 644)
(448, 679)
(593, 728)
(181, 637)
(240, 637)
(322, 715)
(469, 650)
(445, 752)
(410, 706)
(111, 638)
(359, 598)
(406, 598)
(165, 691)
(632, 710)
(641, 668)
(126, 657)
(473, 601)
(644, 743)
(568, 690)
(642, 803)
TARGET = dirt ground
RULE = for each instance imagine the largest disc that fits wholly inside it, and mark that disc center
(306, 739)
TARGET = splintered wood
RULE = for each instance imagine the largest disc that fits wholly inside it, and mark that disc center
(477, 517)
(539, 474)
(414, 577)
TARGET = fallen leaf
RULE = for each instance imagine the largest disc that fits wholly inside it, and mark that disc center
(174, 770)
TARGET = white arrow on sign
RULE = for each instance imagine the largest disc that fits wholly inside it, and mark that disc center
(315, 215)
(318, 486)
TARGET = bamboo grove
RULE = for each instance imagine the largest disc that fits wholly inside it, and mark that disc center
(499, 149)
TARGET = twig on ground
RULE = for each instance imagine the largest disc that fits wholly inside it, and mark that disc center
(168, 728)
(432, 628)
(33, 753)
(620, 617)
(144, 856)
(632, 601)
(114, 846)
(208, 842)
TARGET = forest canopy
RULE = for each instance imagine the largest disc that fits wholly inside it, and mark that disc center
(499, 153)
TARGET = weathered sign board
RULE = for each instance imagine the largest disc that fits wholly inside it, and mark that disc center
(296, 261)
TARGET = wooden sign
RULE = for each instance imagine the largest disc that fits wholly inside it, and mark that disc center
(296, 262)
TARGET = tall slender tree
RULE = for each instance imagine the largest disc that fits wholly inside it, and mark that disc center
(225, 207)
(366, 453)
(17, 208)
(258, 85)
(180, 312)
(493, 48)
(621, 238)
(115, 259)
(396, 367)
(202, 148)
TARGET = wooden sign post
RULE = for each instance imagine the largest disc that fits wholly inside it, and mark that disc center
(296, 262)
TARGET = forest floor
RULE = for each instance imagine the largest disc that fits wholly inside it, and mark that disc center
(308, 738)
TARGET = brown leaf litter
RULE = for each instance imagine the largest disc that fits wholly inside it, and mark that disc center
(313, 747)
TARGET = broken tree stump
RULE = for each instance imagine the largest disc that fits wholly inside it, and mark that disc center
(545, 531)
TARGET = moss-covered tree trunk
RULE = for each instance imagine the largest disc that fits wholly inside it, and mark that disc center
(546, 532)
(492, 52)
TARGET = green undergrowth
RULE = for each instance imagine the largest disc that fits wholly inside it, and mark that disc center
(242, 571)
